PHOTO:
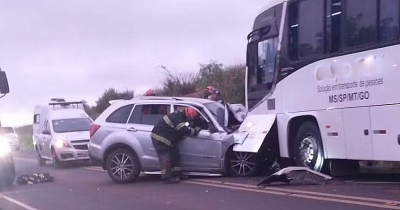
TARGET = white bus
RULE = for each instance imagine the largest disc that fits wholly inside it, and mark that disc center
(323, 82)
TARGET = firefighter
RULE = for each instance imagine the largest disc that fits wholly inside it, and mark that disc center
(166, 135)
(215, 95)
(150, 92)
(209, 89)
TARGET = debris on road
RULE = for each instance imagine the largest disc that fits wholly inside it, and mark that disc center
(30, 179)
(296, 173)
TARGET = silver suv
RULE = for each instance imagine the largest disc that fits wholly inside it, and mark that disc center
(120, 139)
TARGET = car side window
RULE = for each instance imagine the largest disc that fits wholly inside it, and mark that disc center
(149, 114)
(120, 115)
(200, 122)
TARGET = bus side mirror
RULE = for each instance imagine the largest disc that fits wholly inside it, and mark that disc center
(4, 88)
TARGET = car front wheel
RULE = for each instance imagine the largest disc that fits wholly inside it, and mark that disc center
(243, 164)
(122, 166)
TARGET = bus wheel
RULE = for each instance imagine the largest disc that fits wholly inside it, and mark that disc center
(308, 147)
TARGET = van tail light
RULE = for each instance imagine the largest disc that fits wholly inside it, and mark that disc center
(93, 129)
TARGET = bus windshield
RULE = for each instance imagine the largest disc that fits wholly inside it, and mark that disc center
(261, 55)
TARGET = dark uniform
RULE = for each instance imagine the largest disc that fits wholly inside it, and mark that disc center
(165, 135)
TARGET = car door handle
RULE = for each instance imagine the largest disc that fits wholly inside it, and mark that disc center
(132, 129)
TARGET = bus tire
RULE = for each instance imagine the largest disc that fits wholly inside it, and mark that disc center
(308, 147)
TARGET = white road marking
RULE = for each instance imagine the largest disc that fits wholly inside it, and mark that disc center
(387, 205)
(291, 191)
(23, 205)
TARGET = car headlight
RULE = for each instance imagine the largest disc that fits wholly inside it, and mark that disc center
(4, 148)
(62, 143)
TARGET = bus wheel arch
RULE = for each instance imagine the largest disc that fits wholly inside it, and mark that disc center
(305, 143)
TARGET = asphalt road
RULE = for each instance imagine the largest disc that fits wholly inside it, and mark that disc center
(88, 187)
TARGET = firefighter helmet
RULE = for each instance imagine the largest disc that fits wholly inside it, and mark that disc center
(150, 92)
(191, 113)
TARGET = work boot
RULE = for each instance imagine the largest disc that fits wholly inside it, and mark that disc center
(171, 180)
(183, 177)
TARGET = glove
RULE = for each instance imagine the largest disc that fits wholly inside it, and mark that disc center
(197, 130)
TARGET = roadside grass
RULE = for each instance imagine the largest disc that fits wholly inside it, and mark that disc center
(25, 136)
(26, 142)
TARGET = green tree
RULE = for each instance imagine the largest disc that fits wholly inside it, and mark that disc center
(103, 101)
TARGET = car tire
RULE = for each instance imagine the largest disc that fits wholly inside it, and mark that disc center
(41, 161)
(129, 168)
(242, 164)
(7, 174)
(308, 147)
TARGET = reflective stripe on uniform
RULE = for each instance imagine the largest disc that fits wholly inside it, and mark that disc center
(162, 139)
(180, 125)
(168, 121)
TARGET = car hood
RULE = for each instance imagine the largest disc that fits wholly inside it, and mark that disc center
(239, 137)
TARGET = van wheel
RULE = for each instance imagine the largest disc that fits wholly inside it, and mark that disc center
(308, 147)
(56, 163)
(241, 164)
(39, 158)
(122, 166)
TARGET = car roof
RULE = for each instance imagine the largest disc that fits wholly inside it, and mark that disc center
(161, 99)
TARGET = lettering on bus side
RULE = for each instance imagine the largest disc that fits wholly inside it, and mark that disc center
(348, 97)
(358, 95)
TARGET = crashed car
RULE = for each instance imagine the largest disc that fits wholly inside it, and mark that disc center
(120, 138)
(7, 167)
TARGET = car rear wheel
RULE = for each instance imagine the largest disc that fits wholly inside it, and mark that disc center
(122, 166)
(243, 163)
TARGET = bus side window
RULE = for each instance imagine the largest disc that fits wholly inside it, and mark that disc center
(333, 25)
(389, 20)
(361, 22)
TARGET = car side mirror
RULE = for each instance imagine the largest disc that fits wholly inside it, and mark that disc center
(4, 88)
(46, 132)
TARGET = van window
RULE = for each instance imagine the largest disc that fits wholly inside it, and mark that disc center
(71, 125)
(120, 115)
(36, 119)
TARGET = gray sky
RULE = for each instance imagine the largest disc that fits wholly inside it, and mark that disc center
(78, 49)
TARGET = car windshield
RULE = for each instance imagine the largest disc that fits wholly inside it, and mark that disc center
(217, 110)
(71, 125)
(7, 130)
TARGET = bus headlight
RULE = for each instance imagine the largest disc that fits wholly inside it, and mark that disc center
(4, 148)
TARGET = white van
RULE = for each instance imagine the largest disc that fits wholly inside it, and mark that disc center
(61, 132)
